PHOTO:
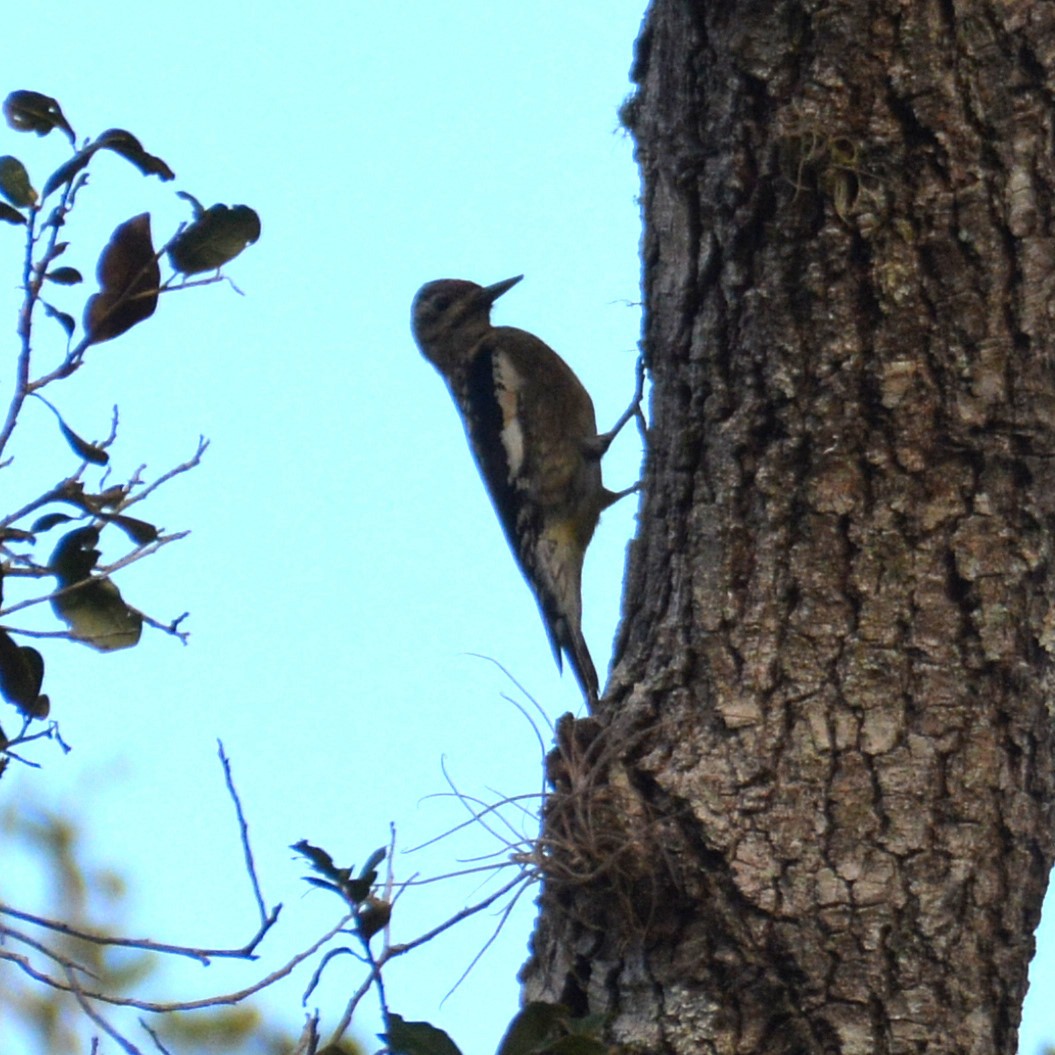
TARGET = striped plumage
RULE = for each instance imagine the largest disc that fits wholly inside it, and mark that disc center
(531, 427)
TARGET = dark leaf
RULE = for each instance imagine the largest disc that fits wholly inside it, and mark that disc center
(194, 203)
(14, 183)
(88, 451)
(126, 144)
(320, 860)
(65, 276)
(67, 322)
(534, 1027)
(324, 884)
(139, 531)
(417, 1038)
(75, 555)
(112, 496)
(576, 1045)
(129, 275)
(28, 111)
(66, 171)
(10, 215)
(50, 520)
(216, 236)
(369, 870)
(93, 610)
(354, 891)
(21, 675)
(373, 915)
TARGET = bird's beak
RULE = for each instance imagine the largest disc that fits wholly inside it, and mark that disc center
(489, 294)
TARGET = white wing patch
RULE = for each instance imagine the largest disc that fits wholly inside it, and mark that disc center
(508, 385)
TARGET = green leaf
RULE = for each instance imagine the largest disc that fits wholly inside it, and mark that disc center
(535, 1026)
(129, 275)
(65, 276)
(10, 215)
(67, 322)
(14, 182)
(28, 111)
(216, 236)
(576, 1045)
(417, 1038)
(126, 144)
(94, 611)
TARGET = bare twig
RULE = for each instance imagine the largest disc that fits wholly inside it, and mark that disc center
(98, 1019)
(243, 830)
(161, 1008)
(202, 955)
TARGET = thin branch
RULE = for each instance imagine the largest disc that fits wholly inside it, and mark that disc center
(145, 1026)
(154, 1007)
(98, 1019)
(191, 463)
(465, 913)
(63, 961)
(203, 956)
(243, 829)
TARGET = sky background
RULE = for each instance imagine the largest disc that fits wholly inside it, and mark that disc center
(344, 562)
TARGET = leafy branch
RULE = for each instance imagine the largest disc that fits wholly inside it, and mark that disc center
(86, 600)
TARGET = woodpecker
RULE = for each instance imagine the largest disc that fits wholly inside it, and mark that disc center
(531, 427)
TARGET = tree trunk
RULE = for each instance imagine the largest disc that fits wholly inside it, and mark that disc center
(814, 812)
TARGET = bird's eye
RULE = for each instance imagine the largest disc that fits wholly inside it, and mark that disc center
(442, 303)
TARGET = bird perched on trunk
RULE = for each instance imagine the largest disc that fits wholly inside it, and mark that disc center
(531, 427)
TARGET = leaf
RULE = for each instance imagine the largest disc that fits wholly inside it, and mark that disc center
(120, 142)
(75, 555)
(65, 276)
(216, 236)
(126, 144)
(14, 182)
(369, 870)
(48, 521)
(28, 111)
(533, 1028)
(373, 915)
(139, 531)
(417, 1038)
(94, 611)
(195, 205)
(67, 322)
(67, 170)
(10, 215)
(90, 452)
(129, 275)
(21, 676)
(575, 1045)
(354, 891)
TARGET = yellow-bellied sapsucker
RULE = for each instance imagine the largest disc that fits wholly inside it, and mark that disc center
(531, 426)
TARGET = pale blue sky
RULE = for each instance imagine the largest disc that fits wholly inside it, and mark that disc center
(344, 558)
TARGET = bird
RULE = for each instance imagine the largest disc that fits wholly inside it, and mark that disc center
(533, 433)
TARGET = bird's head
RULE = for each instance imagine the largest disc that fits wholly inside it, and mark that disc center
(450, 315)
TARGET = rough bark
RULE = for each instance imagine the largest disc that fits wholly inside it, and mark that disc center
(814, 812)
